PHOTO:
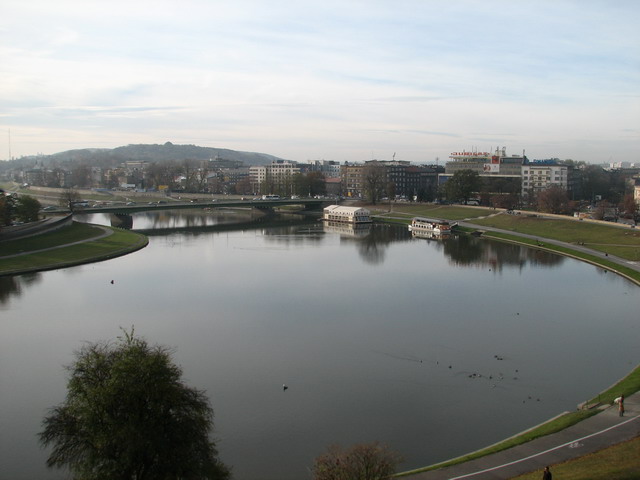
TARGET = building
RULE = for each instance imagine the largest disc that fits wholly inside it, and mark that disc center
(274, 178)
(538, 175)
(486, 164)
(408, 180)
(329, 168)
(352, 180)
(500, 173)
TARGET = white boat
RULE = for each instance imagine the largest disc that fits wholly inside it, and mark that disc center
(337, 213)
(422, 225)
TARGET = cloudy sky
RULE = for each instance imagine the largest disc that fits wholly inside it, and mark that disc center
(336, 80)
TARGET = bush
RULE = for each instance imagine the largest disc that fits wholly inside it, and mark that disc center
(360, 462)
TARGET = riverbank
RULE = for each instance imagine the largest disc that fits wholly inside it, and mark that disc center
(613, 248)
(77, 244)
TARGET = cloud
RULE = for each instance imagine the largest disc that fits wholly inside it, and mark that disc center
(278, 76)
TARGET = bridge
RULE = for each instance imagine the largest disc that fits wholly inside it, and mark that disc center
(307, 204)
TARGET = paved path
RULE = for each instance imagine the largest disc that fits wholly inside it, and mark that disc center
(595, 433)
(105, 233)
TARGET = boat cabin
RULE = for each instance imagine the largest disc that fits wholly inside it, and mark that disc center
(338, 213)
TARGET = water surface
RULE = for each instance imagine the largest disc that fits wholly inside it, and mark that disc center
(436, 348)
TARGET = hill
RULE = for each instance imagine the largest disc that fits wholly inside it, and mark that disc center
(148, 152)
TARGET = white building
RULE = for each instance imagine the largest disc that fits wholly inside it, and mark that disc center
(273, 178)
(540, 175)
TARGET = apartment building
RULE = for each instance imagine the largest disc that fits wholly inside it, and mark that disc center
(538, 175)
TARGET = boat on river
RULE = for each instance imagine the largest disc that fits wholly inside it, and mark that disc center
(430, 227)
(353, 215)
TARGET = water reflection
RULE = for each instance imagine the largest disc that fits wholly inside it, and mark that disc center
(363, 327)
(13, 286)
(464, 250)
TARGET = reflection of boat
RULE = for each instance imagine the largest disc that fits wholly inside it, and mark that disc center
(431, 235)
(422, 225)
(337, 213)
(348, 229)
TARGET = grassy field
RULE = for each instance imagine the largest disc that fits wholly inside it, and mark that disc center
(620, 462)
(450, 212)
(621, 242)
(120, 242)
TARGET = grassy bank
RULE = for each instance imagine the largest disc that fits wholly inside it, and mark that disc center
(619, 462)
(621, 242)
(52, 250)
(630, 273)
(628, 385)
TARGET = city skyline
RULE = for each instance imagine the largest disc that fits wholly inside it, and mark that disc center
(343, 81)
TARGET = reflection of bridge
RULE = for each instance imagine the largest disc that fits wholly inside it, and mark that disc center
(254, 224)
(307, 204)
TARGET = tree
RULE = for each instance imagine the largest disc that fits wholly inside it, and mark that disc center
(68, 198)
(360, 462)
(7, 207)
(128, 415)
(375, 180)
(594, 182)
(81, 175)
(553, 199)
(462, 185)
(28, 208)
(629, 207)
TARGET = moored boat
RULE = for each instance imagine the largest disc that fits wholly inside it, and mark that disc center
(338, 213)
(430, 225)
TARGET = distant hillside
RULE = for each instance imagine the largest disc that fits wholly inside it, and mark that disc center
(150, 153)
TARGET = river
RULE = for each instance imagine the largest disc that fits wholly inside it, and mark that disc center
(436, 348)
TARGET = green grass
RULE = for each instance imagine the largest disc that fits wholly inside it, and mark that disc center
(450, 212)
(622, 242)
(630, 273)
(73, 233)
(553, 426)
(628, 385)
(620, 462)
(118, 243)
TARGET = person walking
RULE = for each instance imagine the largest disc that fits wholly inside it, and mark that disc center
(546, 474)
(621, 406)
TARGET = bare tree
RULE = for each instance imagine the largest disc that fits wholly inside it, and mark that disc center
(553, 200)
(370, 461)
(69, 198)
(375, 179)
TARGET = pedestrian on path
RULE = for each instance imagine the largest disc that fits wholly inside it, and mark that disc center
(620, 401)
(546, 474)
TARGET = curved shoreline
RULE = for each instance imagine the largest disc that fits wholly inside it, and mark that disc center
(137, 242)
(596, 259)
(587, 255)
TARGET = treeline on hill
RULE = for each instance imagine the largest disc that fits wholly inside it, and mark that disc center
(105, 158)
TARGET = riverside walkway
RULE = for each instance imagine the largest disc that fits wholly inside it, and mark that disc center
(595, 433)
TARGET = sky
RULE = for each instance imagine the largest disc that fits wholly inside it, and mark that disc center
(342, 80)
